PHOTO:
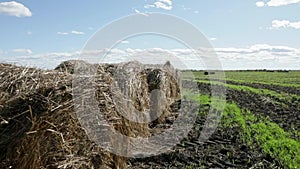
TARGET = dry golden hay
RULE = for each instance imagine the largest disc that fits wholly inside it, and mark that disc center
(38, 124)
(68, 66)
(164, 86)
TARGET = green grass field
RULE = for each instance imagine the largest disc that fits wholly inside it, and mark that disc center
(264, 107)
(291, 78)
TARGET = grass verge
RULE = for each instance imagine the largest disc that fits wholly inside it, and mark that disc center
(265, 92)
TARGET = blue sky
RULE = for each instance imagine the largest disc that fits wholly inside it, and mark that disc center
(247, 34)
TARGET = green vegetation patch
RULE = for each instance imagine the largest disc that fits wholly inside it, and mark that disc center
(276, 142)
(265, 83)
(268, 135)
(266, 92)
(290, 79)
(272, 139)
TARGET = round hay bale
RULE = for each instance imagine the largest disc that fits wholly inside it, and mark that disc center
(68, 66)
(164, 89)
(39, 127)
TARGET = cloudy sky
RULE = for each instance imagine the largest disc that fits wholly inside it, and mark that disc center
(245, 34)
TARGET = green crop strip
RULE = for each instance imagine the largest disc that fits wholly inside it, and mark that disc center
(268, 135)
(280, 96)
(249, 81)
(265, 83)
(291, 79)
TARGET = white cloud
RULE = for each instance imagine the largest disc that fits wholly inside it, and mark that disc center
(125, 42)
(29, 33)
(280, 23)
(276, 3)
(14, 9)
(212, 39)
(168, 2)
(149, 6)
(258, 56)
(233, 50)
(260, 4)
(62, 33)
(258, 48)
(266, 47)
(285, 24)
(77, 32)
(295, 25)
(163, 4)
(282, 2)
(139, 12)
(71, 32)
(24, 51)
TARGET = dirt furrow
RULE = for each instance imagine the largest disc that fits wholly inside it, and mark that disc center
(273, 87)
(224, 149)
(288, 116)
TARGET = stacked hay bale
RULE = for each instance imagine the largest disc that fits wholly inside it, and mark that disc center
(130, 94)
(68, 66)
(39, 127)
(164, 87)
